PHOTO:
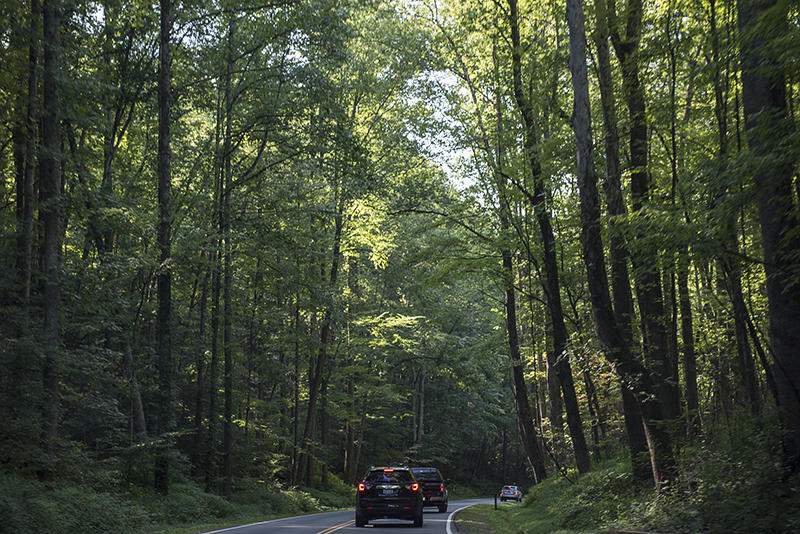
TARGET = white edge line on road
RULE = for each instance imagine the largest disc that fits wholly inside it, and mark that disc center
(228, 529)
(247, 525)
(450, 517)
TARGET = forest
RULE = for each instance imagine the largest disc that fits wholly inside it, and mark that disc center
(262, 245)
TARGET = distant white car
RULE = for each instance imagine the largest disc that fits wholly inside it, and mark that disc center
(510, 493)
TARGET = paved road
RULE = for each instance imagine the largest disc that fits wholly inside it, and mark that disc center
(344, 523)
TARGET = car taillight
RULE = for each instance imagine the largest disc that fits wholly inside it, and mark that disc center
(441, 487)
(362, 487)
(414, 486)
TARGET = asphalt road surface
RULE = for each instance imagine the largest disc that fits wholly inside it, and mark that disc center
(343, 522)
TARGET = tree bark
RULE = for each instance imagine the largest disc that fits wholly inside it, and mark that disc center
(164, 289)
(767, 126)
(648, 280)
(227, 415)
(199, 426)
(618, 252)
(729, 259)
(591, 239)
(51, 207)
(213, 365)
(349, 428)
(315, 383)
(323, 428)
(139, 426)
(553, 290)
(527, 429)
(420, 407)
(554, 404)
(26, 169)
(691, 393)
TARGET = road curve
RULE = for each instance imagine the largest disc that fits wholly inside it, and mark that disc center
(343, 522)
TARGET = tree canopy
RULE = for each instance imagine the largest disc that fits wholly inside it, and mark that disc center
(289, 240)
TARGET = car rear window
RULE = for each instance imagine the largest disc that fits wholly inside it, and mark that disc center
(427, 474)
(389, 475)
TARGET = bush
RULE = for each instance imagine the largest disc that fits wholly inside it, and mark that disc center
(731, 483)
(742, 485)
(593, 499)
(336, 496)
(187, 503)
(95, 499)
(28, 507)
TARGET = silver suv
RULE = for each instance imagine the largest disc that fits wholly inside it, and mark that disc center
(510, 493)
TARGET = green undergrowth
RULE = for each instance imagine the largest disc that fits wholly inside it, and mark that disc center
(731, 484)
(30, 507)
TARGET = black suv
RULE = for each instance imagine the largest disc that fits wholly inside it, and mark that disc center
(389, 493)
(434, 492)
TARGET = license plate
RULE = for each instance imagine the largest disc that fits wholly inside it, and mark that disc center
(389, 492)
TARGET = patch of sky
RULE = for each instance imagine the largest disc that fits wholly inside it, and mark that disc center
(441, 135)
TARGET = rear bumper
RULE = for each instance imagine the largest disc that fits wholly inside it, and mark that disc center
(388, 512)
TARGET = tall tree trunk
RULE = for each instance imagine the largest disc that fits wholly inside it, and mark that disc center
(672, 367)
(26, 169)
(217, 291)
(553, 290)
(315, 383)
(51, 211)
(421, 418)
(227, 416)
(284, 428)
(503, 453)
(139, 424)
(527, 429)
(414, 400)
(767, 125)
(213, 365)
(164, 290)
(648, 280)
(349, 428)
(199, 427)
(598, 421)
(687, 336)
(745, 360)
(729, 259)
(554, 404)
(591, 239)
(618, 252)
(541, 366)
(361, 429)
(684, 303)
(323, 429)
(296, 398)
(350, 431)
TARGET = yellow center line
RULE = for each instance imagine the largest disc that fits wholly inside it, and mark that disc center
(337, 527)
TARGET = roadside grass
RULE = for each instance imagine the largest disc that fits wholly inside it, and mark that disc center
(559, 505)
(739, 488)
(30, 507)
(506, 519)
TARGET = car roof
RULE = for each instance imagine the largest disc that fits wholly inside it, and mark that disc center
(388, 468)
